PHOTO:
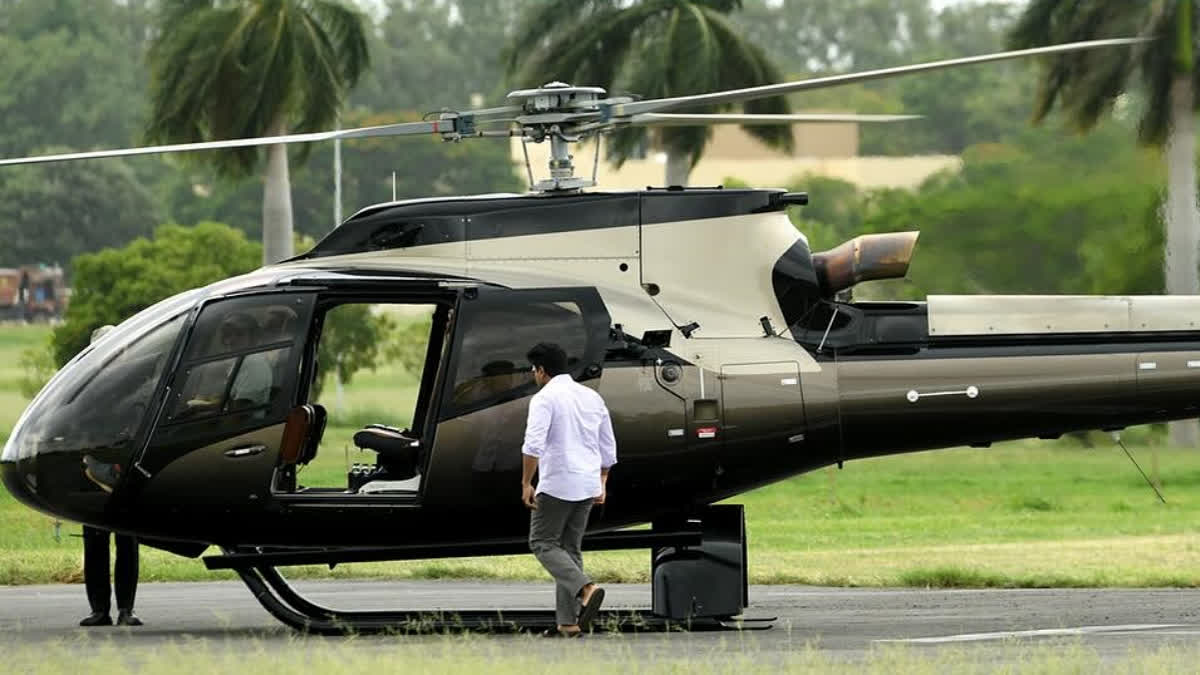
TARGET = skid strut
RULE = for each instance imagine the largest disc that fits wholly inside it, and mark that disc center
(694, 588)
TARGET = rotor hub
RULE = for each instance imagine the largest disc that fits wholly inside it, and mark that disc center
(558, 97)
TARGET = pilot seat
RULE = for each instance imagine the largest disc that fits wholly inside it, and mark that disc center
(301, 437)
(397, 465)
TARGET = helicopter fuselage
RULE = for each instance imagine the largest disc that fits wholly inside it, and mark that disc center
(700, 316)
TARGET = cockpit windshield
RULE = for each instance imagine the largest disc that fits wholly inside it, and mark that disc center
(98, 401)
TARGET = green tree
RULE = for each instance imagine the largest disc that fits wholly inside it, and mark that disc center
(834, 35)
(427, 54)
(1046, 214)
(71, 74)
(352, 339)
(1088, 84)
(424, 167)
(113, 284)
(225, 69)
(654, 48)
(52, 212)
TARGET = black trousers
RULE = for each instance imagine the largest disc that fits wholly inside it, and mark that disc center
(95, 569)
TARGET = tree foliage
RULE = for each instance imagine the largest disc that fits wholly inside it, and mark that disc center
(53, 212)
(237, 69)
(71, 74)
(1047, 214)
(352, 339)
(223, 70)
(113, 284)
(1087, 84)
(838, 35)
(427, 54)
(653, 48)
(423, 166)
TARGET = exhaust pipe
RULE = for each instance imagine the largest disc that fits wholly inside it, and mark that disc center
(863, 258)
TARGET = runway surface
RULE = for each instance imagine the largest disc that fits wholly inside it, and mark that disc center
(847, 623)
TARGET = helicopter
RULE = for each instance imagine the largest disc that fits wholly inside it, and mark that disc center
(723, 346)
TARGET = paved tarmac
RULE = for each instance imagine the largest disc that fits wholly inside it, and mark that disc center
(849, 624)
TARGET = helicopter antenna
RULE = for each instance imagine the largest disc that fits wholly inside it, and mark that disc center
(528, 166)
(596, 160)
(337, 177)
(393, 186)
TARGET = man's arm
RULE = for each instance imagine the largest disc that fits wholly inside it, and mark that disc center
(528, 469)
(537, 426)
(608, 454)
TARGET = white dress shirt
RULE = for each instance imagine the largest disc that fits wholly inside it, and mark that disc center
(570, 432)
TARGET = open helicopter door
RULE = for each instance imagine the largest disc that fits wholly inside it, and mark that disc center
(476, 458)
(219, 429)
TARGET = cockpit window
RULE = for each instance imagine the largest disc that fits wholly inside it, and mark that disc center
(238, 357)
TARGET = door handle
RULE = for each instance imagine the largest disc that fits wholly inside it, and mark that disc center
(245, 451)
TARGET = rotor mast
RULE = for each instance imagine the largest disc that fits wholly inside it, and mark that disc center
(562, 114)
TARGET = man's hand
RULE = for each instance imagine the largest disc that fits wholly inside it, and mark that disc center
(528, 497)
(603, 494)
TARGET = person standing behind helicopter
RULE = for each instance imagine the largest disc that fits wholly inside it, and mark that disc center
(95, 578)
(95, 554)
(569, 444)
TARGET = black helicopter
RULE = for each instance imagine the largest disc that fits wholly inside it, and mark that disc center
(701, 315)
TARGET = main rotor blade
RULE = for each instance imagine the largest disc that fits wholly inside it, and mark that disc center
(764, 91)
(686, 120)
(442, 126)
(403, 129)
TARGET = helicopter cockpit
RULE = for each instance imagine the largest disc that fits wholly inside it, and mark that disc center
(88, 418)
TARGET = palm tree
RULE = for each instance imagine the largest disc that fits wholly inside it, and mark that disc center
(225, 69)
(654, 48)
(1087, 84)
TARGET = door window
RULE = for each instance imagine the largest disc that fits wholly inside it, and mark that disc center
(498, 329)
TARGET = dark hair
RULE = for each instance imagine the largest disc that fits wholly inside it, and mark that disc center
(550, 357)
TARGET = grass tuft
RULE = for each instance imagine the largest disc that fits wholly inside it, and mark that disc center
(951, 577)
(1025, 503)
(1120, 507)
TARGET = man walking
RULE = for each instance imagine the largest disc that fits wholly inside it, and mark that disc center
(569, 444)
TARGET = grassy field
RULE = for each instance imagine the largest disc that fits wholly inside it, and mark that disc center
(600, 654)
(13, 340)
(1023, 514)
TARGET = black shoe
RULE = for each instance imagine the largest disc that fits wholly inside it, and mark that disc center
(96, 619)
(590, 610)
(126, 617)
(101, 473)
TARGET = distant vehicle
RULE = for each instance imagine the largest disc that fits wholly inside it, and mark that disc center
(32, 293)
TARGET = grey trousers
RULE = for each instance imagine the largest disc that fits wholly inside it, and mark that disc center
(555, 534)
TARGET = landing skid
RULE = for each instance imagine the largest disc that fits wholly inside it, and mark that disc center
(294, 610)
(698, 582)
